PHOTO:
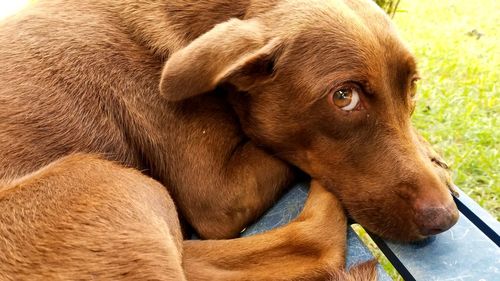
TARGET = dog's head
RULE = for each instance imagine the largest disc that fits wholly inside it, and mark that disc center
(329, 87)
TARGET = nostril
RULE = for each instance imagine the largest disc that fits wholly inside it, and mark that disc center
(432, 220)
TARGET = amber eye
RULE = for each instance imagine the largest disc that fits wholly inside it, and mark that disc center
(346, 99)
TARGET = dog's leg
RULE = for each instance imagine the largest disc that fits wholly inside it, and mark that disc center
(83, 218)
(312, 247)
(86, 218)
(231, 187)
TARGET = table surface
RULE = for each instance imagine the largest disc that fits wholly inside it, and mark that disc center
(462, 253)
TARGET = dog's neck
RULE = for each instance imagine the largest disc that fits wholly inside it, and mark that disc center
(166, 26)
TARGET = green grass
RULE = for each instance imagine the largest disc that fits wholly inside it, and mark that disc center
(455, 42)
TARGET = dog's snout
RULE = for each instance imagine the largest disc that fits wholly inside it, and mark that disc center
(432, 219)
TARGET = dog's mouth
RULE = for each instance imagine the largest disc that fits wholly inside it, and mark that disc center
(408, 231)
(415, 206)
(414, 217)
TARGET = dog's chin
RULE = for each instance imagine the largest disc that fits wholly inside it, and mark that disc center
(394, 235)
(399, 237)
(402, 232)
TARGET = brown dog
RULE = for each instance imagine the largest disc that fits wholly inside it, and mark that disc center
(215, 100)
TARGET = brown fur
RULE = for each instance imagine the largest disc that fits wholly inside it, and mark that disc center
(215, 100)
(89, 218)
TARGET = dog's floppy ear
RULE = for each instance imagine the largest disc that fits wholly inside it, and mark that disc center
(236, 51)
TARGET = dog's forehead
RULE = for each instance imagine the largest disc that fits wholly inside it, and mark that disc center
(353, 40)
(291, 16)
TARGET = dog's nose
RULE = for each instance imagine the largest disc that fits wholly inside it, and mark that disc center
(432, 219)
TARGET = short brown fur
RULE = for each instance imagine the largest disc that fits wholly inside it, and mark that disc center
(216, 103)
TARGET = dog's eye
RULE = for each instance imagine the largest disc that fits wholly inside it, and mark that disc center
(413, 86)
(346, 99)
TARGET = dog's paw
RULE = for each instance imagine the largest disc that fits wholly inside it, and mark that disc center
(366, 271)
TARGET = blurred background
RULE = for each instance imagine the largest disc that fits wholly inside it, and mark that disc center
(9, 7)
(456, 44)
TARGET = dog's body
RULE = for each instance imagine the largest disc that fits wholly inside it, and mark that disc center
(100, 95)
(83, 77)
